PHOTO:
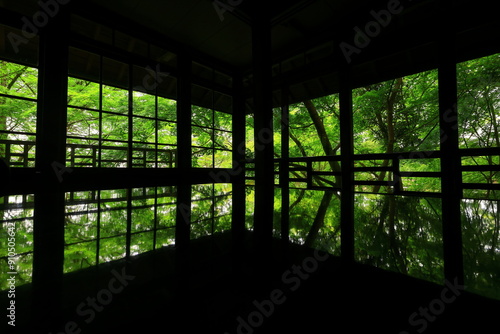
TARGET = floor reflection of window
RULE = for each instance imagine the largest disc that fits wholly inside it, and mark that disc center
(112, 224)
(315, 219)
(16, 235)
(106, 225)
(481, 246)
(400, 233)
(211, 209)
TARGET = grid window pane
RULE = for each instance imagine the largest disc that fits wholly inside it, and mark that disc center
(16, 233)
(167, 133)
(141, 242)
(80, 256)
(83, 93)
(166, 215)
(114, 99)
(223, 159)
(165, 237)
(202, 116)
(223, 121)
(144, 104)
(203, 158)
(479, 102)
(113, 219)
(20, 80)
(143, 219)
(81, 223)
(202, 137)
(114, 127)
(144, 130)
(83, 123)
(102, 106)
(223, 140)
(167, 156)
(167, 109)
(112, 249)
(114, 154)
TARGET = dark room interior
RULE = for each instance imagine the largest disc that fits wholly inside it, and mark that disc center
(234, 166)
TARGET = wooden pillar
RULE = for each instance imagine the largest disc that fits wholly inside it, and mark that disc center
(285, 168)
(451, 179)
(182, 231)
(263, 116)
(48, 257)
(182, 296)
(239, 197)
(347, 165)
(128, 237)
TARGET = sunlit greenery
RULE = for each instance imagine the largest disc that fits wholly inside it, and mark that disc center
(18, 113)
(98, 221)
(17, 212)
(98, 127)
(211, 209)
(109, 126)
(481, 247)
(400, 233)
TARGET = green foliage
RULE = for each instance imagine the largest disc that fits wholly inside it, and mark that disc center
(18, 116)
(211, 138)
(479, 102)
(249, 207)
(84, 94)
(304, 206)
(303, 134)
(401, 234)
(104, 114)
(17, 212)
(80, 256)
(398, 115)
(18, 80)
(211, 209)
(479, 117)
(95, 235)
(481, 247)
(398, 233)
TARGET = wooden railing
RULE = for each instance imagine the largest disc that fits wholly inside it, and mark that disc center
(18, 153)
(303, 173)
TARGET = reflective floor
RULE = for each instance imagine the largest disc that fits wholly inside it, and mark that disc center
(398, 233)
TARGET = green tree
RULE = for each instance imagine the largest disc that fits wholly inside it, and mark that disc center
(17, 115)
(479, 115)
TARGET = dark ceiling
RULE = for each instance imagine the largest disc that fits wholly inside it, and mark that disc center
(307, 35)
(222, 31)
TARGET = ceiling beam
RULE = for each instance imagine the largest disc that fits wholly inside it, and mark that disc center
(280, 11)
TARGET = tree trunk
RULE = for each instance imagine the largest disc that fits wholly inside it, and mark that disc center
(334, 165)
(393, 243)
(299, 144)
(298, 200)
(390, 139)
(323, 137)
(319, 219)
(496, 229)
